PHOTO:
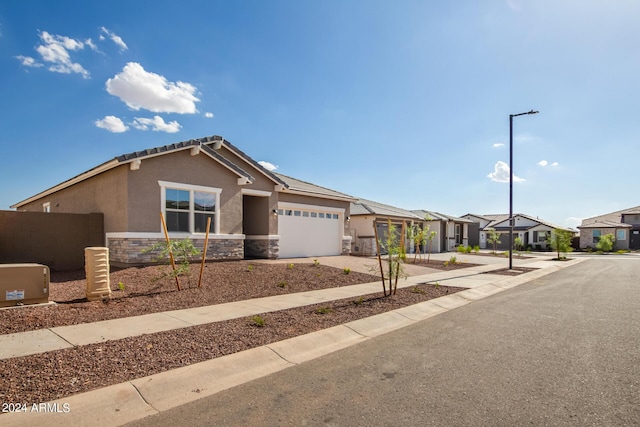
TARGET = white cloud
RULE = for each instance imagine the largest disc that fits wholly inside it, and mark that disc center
(157, 124)
(524, 137)
(28, 61)
(554, 164)
(141, 89)
(543, 163)
(208, 115)
(268, 166)
(91, 45)
(114, 37)
(501, 173)
(112, 124)
(498, 144)
(56, 51)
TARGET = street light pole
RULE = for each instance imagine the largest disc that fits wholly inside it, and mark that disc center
(511, 116)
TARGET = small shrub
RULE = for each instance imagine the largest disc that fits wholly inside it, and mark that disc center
(282, 284)
(453, 260)
(436, 285)
(416, 290)
(461, 249)
(258, 321)
(467, 249)
(358, 301)
(121, 286)
(476, 249)
(324, 310)
(182, 251)
(316, 263)
(346, 270)
(446, 263)
(290, 266)
(249, 268)
(605, 244)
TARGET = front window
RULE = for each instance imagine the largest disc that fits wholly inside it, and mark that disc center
(458, 235)
(621, 235)
(187, 207)
(596, 236)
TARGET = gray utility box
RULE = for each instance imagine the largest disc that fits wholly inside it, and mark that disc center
(22, 284)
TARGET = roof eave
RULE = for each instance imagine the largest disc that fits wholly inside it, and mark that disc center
(72, 181)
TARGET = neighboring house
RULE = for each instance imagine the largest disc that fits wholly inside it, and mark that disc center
(624, 225)
(531, 230)
(451, 231)
(364, 213)
(254, 213)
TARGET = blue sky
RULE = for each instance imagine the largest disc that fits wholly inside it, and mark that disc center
(403, 102)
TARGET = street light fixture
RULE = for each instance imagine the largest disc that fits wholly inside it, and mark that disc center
(511, 116)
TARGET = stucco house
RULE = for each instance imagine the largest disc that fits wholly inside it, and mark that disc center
(451, 231)
(624, 225)
(364, 213)
(531, 230)
(255, 213)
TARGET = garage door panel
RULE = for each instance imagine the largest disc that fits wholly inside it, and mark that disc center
(309, 236)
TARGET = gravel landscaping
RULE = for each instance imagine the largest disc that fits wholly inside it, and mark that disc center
(57, 374)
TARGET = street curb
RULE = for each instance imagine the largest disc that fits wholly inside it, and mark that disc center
(136, 399)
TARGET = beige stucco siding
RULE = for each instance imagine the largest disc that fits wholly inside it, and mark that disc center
(181, 167)
(260, 183)
(105, 193)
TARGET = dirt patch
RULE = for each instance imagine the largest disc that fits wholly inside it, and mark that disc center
(58, 374)
(137, 291)
(516, 271)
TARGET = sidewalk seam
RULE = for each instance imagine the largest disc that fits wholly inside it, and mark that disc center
(142, 397)
(62, 338)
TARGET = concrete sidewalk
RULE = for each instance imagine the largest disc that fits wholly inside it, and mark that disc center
(61, 337)
(122, 403)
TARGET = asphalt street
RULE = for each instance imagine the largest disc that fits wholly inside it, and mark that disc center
(560, 350)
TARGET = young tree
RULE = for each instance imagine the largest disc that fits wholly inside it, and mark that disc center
(518, 245)
(396, 256)
(493, 238)
(605, 243)
(560, 241)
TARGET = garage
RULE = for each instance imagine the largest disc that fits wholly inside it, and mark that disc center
(309, 230)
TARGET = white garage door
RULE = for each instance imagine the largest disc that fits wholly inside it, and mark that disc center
(308, 231)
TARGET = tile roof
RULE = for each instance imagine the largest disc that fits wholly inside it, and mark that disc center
(630, 211)
(369, 207)
(207, 145)
(498, 218)
(605, 224)
(439, 216)
(297, 185)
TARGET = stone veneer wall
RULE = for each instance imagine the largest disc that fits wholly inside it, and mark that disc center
(129, 251)
(261, 248)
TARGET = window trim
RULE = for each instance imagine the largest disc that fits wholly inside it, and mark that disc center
(164, 185)
(46, 207)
